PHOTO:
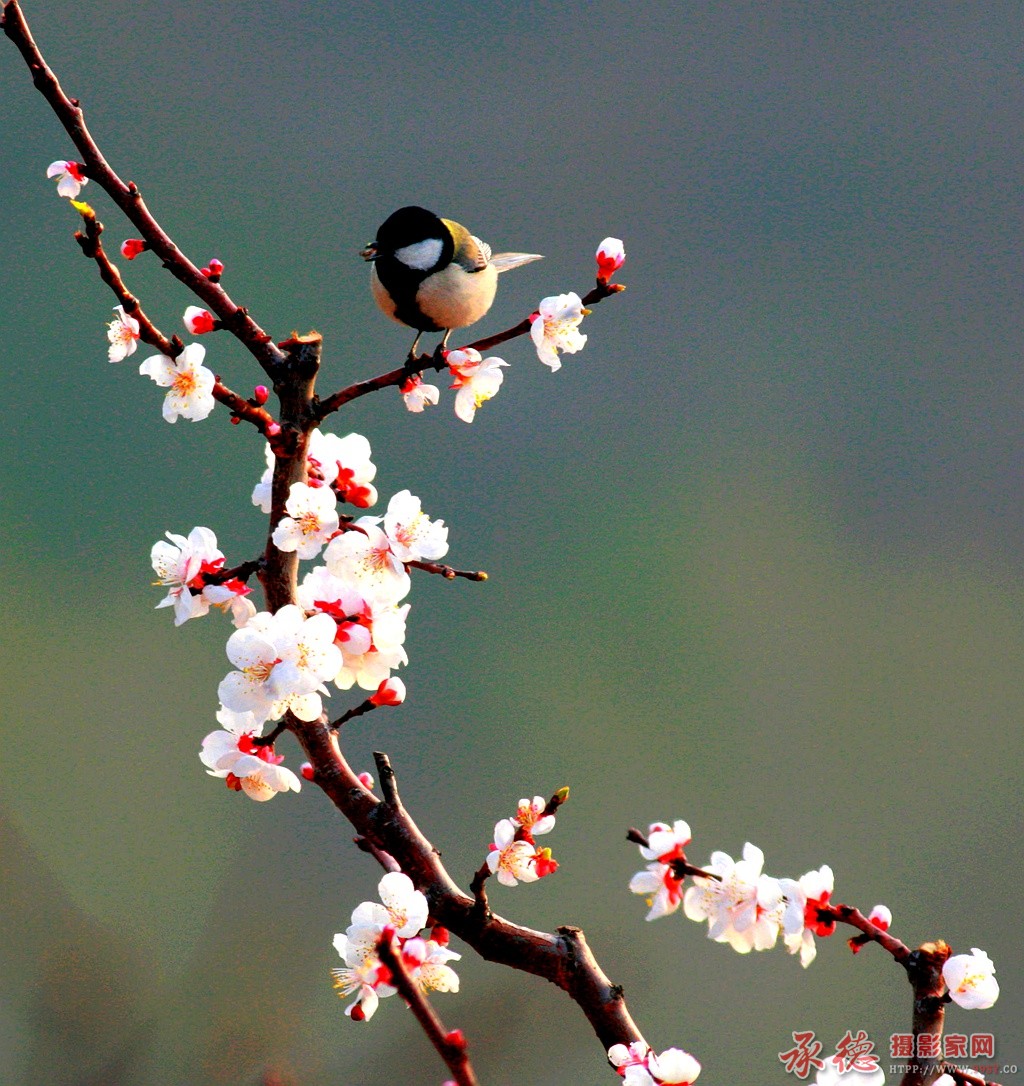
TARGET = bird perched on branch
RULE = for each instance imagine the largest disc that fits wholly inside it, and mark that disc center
(433, 274)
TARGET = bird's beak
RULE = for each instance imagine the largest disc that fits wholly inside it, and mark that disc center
(370, 252)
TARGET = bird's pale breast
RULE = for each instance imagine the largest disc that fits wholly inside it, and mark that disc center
(454, 297)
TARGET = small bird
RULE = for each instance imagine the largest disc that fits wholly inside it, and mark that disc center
(433, 274)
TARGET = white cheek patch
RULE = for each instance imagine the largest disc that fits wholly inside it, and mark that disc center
(422, 255)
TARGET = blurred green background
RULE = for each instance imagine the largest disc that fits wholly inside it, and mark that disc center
(755, 554)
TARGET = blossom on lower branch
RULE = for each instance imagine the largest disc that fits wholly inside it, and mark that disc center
(70, 177)
(971, 980)
(401, 914)
(514, 856)
(511, 859)
(659, 883)
(639, 1066)
(742, 905)
(247, 766)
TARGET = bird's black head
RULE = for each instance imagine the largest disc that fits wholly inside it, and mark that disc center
(413, 226)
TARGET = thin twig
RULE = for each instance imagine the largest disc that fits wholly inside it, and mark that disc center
(90, 244)
(847, 914)
(129, 199)
(448, 572)
(924, 971)
(450, 1045)
(365, 707)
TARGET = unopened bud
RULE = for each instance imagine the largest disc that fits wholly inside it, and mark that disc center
(306, 769)
(390, 692)
(260, 395)
(198, 321)
(456, 1039)
(611, 255)
(131, 248)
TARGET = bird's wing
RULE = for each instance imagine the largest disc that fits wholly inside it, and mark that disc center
(506, 261)
(483, 249)
(470, 252)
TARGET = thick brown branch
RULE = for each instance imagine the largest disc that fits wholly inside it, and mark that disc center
(564, 958)
(924, 971)
(129, 199)
(244, 409)
(296, 379)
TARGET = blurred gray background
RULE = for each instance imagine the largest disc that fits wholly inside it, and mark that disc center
(755, 554)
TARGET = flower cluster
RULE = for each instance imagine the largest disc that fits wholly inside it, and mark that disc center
(742, 905)
(749, 910)
(188, 382)
(348, 625)
(247, 766)
(189, 567)
(339, 464)
(282, 660)
(401, 916)
(639, 1066)
(513, 855)
(475, 378)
